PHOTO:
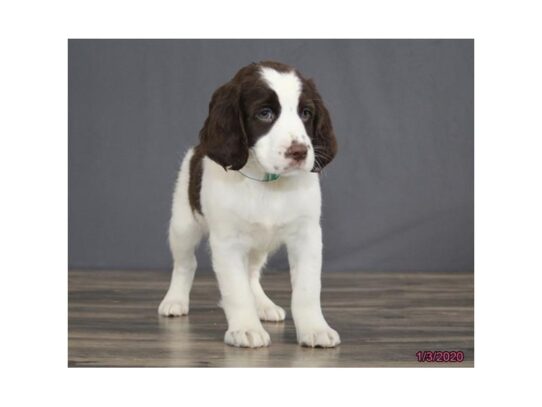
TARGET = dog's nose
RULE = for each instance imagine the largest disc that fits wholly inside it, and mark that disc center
(296, 151)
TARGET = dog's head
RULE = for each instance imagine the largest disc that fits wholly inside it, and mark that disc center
(271, 112)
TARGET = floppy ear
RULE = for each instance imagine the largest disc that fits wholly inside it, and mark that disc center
(223, 137)
(323, 140)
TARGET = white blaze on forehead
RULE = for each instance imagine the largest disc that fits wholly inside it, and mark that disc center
(288, 127)
(286, 85)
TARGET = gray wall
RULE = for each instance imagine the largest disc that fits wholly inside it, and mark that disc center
(399, 195)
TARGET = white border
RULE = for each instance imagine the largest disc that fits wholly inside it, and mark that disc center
(34, 180)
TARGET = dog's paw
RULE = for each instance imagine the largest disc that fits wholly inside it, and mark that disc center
(319, 338)
(249, 338)
(173, 307)
(271, 312)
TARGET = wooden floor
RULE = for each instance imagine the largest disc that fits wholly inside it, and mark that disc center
(383, 320)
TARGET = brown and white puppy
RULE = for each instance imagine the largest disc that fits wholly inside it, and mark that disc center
(252, 185)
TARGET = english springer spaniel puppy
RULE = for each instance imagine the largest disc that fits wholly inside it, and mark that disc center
(252, 184)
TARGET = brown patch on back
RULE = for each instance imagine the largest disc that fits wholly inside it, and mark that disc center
(194, 181)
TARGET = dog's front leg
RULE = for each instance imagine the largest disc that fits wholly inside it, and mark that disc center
(305, 257)
(230, 263)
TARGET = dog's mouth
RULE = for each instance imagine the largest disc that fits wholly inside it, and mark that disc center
(294, 166)
(284, 167)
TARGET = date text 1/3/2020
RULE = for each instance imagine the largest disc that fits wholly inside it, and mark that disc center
(440, 356)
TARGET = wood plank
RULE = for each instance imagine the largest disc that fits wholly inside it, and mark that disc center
(383, 318)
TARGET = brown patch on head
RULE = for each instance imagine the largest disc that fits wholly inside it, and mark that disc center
(223, 137)
(277, 66)
(319, 128)
(231, 128)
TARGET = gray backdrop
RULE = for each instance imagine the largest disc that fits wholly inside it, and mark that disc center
(399, 195)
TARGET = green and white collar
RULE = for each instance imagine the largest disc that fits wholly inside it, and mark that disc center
(267, 177)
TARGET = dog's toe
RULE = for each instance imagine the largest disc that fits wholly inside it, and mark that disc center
(250, 338)
(173, 307)
(272, 313)
(319, 338)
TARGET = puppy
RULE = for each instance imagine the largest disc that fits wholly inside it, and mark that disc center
(252, 185)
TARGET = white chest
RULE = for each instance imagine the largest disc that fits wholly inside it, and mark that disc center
(261, 212)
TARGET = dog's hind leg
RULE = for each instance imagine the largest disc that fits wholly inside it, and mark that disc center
(267, 309)
(185, 233)
(183, 242)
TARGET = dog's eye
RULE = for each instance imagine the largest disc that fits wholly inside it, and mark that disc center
(265, 115)
(306, 114)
